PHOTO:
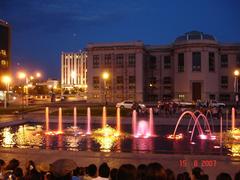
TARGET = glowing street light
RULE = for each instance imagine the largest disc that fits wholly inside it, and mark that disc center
(38, 75)
(105, 76)
(22, 75)
(6, 80)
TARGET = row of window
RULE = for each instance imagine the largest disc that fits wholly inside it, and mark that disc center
(119, 60)
(196, 61)
(120, 80)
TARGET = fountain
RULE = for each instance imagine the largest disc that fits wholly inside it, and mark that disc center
(118, 121)
(134, 123)
(196, 123)
(233, 118)
(151, 125)
(47, 119)
(104, 117)
(143, 128)
(74, 117)
(88, 120)
(60, 131)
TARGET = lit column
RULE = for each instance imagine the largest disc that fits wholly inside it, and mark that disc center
(105, 76)
(6, 80)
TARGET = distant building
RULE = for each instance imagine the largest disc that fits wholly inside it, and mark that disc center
(4, 49)
(73, 70)
(195, 66)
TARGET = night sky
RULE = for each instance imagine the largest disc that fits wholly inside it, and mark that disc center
(42, 29)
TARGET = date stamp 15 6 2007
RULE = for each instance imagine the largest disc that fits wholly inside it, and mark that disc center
(198, 163)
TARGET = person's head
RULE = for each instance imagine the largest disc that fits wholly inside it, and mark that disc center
(204, 177)
(76, 171)
(127, 172)
(113, 174)
(2, 164)
(155, 171)
(224, 176)
(170, 174)
(12, 165)
(18, 172)
(81, 171)
(197, 172)
(141, 171)
(30, 166)
(92, 170)
(104, 170)
(237, 176)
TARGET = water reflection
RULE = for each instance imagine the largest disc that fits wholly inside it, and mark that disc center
(142, 144)
(8, 137)
(73, 142)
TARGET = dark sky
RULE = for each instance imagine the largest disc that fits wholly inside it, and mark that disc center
(42, 29)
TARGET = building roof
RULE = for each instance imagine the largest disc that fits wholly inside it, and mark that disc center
(194, 35)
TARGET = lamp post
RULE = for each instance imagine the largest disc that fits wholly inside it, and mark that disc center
(236, 74)
(105, 76)
(6, 80)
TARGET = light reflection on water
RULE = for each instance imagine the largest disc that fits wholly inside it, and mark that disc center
(33, 136)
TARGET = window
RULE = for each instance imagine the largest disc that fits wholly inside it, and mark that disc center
(131, 79)
(211, 62)
(119, 79)
(107, 60)
(224, 61)
(95, 61)
(131, 60)
(119, 60)
(153, 80)
(3, 52)
(224, 82)
(238, 60)
(167, 62)
(167, 80)
(196, 61)
(224, 97)
(3, 62)
(95, 82)
(181, 62)
(152, 62)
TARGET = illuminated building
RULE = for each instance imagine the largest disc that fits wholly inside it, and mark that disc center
(4, 49)
(195, 66)
(73, 70)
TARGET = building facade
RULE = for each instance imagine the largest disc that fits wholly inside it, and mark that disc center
(74, 70)
(194, 67)
(4, 49)
(124, 63)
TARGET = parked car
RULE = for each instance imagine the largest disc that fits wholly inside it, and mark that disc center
(217, 104)
(129, 104)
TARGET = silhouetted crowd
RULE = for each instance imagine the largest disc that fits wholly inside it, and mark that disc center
(66, 169)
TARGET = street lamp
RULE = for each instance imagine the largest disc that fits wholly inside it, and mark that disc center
(105, 76)
(6, 80)
(22, 76)
(236, 74)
